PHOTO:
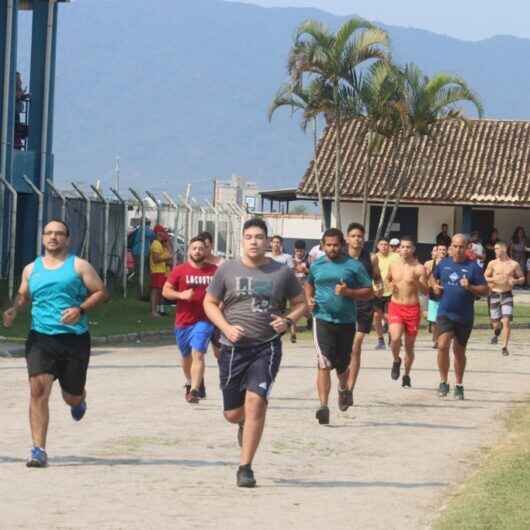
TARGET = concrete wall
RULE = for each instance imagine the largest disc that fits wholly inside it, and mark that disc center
(294, 226)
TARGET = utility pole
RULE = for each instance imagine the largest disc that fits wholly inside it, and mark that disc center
(117, 174)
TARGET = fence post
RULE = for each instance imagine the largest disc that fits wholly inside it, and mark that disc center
(86, 239)
(173, 205)
(157, 206)
(215, 226)
(125, 224)
(142, 241)
(105, 232)
(189, 219)
(40, 211)
(12, 237)
(61, 196)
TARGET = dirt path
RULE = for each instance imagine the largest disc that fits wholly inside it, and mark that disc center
(144, 459)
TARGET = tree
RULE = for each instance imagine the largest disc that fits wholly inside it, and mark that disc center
(334, 60)
(424, 104)
(310, 102)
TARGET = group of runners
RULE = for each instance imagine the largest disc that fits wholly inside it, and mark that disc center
(243, 307)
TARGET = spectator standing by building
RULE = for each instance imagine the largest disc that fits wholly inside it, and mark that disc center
(136, 248)
(159, 260)
(518, 245)
(443, 238)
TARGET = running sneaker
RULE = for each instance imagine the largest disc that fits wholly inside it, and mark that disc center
(459, 392)
(187, 390)
(443, 389)
(345, 397)
(385, 327)
(293, 339)
(193, 396)
(322, 415)
(245, 477)
(380, 344)
(240, 428)
(78, 411)
(37, 458)
(396, 369)
(405, 382)
(494, 339)
(505, 352)
(202, 390)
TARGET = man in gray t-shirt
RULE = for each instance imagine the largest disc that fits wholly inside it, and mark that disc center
(251, 295)
(244, 301)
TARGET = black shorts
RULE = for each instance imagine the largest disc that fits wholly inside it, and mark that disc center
(65, 356)
(248, 368)
(365, 315)
(334, 343)
(381, 304)
(461, 331)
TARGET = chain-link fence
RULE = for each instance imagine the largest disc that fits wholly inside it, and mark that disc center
(101, 226)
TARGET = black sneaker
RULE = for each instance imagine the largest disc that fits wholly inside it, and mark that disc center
(494, 339)
(405, 382)
(187, 390)
(385, 327)
(345, 398)
(293, 339)
(443, 389)
(396, 370)
(193, 396)
(459, 392)
(240, 427)
(322, 415)
(202, 390)
(505, 352)
(245, 477)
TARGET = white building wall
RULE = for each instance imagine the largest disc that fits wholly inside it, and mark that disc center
(430, 220)
(294, 226)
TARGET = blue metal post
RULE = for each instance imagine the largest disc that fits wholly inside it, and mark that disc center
(7, 114)
(467, 213)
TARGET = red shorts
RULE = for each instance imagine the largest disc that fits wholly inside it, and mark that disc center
(158, 279)
(408, 315)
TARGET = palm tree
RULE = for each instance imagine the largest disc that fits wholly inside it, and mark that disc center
(334, 59)
(310, 102)
(424, 104)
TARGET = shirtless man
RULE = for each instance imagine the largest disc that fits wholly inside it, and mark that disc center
(407, 278)
(502, 274)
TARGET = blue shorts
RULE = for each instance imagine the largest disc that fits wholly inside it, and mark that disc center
(194, 338)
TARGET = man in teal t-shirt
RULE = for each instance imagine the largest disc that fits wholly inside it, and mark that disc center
(335, 281)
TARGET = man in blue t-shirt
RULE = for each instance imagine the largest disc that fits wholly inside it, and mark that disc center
(459, 281)
(335, 281)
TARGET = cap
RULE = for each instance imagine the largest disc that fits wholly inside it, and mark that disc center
(394, 242)
(159, 228)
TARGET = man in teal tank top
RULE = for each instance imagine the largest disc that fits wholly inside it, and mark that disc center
(61, 289)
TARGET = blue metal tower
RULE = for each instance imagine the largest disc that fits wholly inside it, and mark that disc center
(35, 157)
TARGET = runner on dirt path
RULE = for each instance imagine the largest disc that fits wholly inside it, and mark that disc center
(365, 308)
(244, 302)
(459, 282)
(439, 254)
(408, 279)
(210, 257)
(335, 281)
(186, 285)
(61, 288)
(384, 258)
(502, 274)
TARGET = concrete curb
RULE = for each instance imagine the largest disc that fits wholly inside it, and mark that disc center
(14, 348)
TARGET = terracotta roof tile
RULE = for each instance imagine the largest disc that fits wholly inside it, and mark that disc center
(484, 163)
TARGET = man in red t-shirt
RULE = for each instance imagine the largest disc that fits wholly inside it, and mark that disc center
(187, 285)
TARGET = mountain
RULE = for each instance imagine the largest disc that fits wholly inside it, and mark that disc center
(180, 89)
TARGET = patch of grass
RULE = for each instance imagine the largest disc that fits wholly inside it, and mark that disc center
(497, 497)
(118, 316)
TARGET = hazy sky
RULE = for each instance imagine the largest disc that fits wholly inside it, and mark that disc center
(464, 19)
